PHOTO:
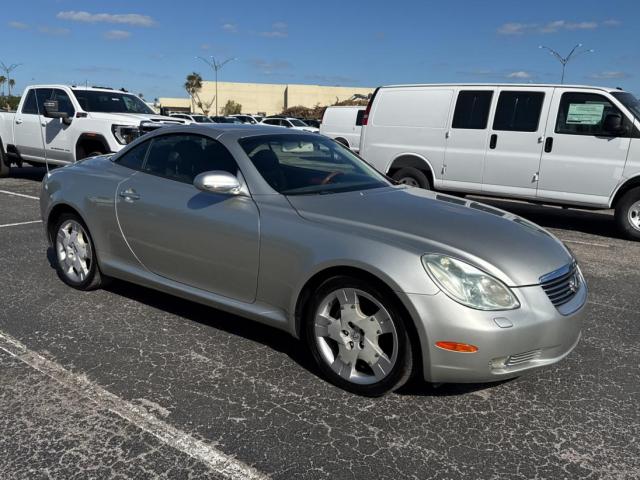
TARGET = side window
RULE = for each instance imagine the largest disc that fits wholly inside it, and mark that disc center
(285, 123)
(64, 102)
(30, 107)
(42, 95)
(518, 111)
(472, 109)
(134, 158)
(182, 157)
(584, 114)
(359, 116)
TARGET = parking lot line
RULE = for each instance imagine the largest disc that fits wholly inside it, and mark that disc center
(20, 223)
(602, 245)
(7, 192)
(219, 462)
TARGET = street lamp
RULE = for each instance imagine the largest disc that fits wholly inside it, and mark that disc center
(7, 69)
(215, 65)
(564, 60)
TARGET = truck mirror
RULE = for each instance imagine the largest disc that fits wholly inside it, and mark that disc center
(51, 110)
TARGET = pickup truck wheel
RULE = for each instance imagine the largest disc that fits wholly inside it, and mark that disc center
(4, 168)
(412, 177)
(628, 214)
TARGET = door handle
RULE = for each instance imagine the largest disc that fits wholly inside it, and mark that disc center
(493, 141)
(129, 195)
(548, 145)
(18, 121)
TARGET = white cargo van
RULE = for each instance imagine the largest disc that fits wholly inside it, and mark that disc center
(343, 124)
(555, 144)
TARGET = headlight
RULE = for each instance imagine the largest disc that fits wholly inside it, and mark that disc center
(468, 285)
(125, 133)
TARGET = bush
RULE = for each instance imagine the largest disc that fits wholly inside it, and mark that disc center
(231, 108)
(10, 102)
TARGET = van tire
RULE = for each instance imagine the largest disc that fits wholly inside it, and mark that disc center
(627, 214)
(412, 177)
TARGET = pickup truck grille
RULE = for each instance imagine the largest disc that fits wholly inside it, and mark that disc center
(561, 286)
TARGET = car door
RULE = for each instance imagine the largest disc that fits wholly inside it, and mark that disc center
(516, 139)
(201, 239)
(58, 135)
(581, 161)
(28, 127)
(467, 140)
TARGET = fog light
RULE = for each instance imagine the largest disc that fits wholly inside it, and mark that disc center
(457, 347)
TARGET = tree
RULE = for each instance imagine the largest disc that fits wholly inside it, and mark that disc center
(3, 80)
(231, 108)
(193, 85)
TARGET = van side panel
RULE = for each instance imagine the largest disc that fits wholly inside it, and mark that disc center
(340, 122)
(405, 121)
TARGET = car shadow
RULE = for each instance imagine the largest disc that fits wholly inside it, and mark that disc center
(592, 222)
(28, 173)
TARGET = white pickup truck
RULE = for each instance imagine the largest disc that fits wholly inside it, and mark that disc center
(59, 124)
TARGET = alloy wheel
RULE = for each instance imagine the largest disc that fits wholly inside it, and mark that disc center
(73, 250)
(634, 215)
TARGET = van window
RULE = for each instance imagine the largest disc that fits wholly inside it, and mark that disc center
(584, 114)
(518, 111)
(359, 116)
(415, 107)
(472, 109)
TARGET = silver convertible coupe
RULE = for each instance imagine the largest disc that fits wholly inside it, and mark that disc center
(293, 230)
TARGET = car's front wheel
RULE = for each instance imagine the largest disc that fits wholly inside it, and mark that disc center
(76, 261)
(358, 337)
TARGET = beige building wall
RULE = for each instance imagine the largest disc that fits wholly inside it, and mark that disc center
(266, 97)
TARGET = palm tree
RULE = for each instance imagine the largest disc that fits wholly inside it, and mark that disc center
(11, 83)
(3, 80)
(193, 85)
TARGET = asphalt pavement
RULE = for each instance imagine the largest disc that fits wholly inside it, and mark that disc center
(131, 383)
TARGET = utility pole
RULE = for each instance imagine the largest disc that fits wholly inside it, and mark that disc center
(215, 66)
(564, 60)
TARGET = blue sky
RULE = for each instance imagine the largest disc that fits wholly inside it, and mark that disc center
(149, 46)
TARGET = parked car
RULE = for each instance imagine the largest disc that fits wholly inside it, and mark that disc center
(59, 124)
(192, 117)
(289, 122)
(294, 230)
(250, 119)
(556, 144)
(344, 125)
(222, 119)
(312, 122)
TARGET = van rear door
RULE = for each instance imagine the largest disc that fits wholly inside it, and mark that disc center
(516, 140)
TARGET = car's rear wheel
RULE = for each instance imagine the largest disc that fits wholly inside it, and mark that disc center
(628, 214)
(358, 337)
(76, 261)
(412, 177)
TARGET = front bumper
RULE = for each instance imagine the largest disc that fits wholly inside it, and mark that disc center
(539, 335)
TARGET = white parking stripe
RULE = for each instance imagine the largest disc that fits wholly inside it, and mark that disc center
(20, 223)
(217, 461)
(19, 195)
(603, 245)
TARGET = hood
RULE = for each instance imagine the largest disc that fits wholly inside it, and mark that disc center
(135, 118)
(512, 249)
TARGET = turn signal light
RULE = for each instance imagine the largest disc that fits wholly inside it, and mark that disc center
(457, 347)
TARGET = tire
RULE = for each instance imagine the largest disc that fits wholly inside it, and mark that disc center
(4, 168)
(412, 177)
(343, 142)
(76, 261)
(627, 214)
(82, 153)
(349, 349)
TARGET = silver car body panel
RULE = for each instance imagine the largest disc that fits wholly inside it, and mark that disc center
(254, 253)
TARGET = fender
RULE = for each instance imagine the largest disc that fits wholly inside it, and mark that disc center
(414, 155)
(93, 137)
(633, 181)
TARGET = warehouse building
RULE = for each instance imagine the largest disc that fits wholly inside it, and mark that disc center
(264, 98)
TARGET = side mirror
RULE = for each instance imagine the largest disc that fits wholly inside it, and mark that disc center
(51, 110)
(613, 124)
(218, 182)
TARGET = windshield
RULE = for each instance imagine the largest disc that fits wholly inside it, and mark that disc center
(110, 102)
(629, 101)
(201, 119)
(298, 123)
(309, 164)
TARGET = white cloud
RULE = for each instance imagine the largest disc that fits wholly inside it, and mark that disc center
(270, 67)
(117, 35)
(515, 28)
(133, 19)
(278, 30)
(55, 31)
(18, 25)
(230, 27)
(519, 75)
(609, 75)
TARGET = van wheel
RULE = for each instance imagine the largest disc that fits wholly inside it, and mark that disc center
(412, 177)
(628, 214)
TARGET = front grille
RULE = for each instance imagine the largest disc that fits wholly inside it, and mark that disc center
(520, 358)
(561, 286)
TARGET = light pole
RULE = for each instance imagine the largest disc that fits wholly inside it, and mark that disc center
(564, 60)
(7, 69)
(215, 66)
